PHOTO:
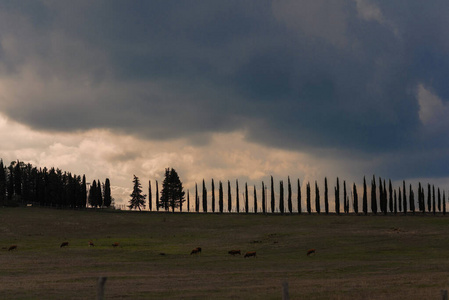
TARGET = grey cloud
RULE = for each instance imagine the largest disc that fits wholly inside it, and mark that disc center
(293, 74)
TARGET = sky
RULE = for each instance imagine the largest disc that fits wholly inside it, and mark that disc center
(227, 89)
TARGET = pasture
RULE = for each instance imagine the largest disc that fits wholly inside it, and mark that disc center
(357, 257)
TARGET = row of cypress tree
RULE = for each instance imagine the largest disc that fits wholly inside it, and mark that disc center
(383, 199)
(22, 183)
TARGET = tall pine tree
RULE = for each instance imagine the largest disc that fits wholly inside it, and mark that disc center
(137, 199)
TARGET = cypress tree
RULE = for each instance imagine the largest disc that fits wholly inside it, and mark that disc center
(213, 195)
(400, 199)
(420, 203)
(385, 198)
(220, 196)
(309, 207)
(204, 197)
(326, 197)
(264, 206)
(390, 193)
(299, 197)
(439, 200)
(150, 198)
(365, 198)
(92, 194)
(373, 196)
(412, 200)
(356, 199)
(337, 197)
(230, 197)
(281, 197)
(157, 196)
(246, 198)
(100, 196)
(429, 198)
(197, 199)
(381, 198)
(317, 198)
(345, 197)
(107, 193)
(433, 199)
(272, 195)
(237, 201)
(2, 184)
(404, 198)
(83, 191)
(289, 197)
(255, 200)
(188, 200)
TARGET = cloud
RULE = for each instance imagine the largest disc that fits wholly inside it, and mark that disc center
(353, 78)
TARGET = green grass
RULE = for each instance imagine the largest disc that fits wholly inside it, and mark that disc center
(358, 257)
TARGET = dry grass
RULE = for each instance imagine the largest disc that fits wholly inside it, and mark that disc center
(358, 257)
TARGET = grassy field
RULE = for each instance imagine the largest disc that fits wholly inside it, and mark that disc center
(358, 257)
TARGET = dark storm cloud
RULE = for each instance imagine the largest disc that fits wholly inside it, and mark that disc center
(293, 74)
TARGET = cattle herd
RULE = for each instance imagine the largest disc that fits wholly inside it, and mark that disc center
(195, 251)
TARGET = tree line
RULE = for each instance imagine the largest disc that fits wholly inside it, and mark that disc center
(383, 198)
(21, 183)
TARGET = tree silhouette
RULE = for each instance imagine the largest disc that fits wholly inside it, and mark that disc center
(309, 207)
(137, 199)
(264, 205)
(337, 197)
(289, 197)
(317, 198)
(157, 196)
(229, 197)
(197, 200)
(299, 197)
(373, 196)
(404, 198)
(365, 198)
(107, 199)
(172, 194)
(150, 197)
(246, 198)
(272, 195)
(220, 196)
(356, 199)
(204, 197)
(237, 199)
(326, 197)
(255, 200)
(281, 197)
(213, 195)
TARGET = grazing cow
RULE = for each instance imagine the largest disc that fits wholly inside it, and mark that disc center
(91, 244)
(196, 251)
(116, 244)
(64, 244)
(13, 247)
(235, 252)
(250, 253)
(311, 251)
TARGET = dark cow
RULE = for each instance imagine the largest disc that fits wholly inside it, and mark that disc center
(91, 244)
(235, 252)
(250, 253)
(116, 244)
(196, 251)
(311, 251)
(64, 244)
(12, 247)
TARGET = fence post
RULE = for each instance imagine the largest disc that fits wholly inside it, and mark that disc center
(444, 295)
(285, 290)
(100, 287)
